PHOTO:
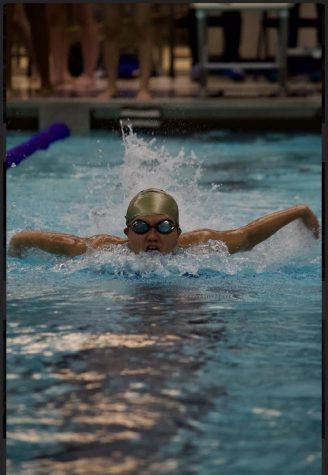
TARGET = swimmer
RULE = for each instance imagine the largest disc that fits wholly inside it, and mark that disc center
(152, 224)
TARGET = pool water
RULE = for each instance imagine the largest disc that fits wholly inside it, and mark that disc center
(196, 362)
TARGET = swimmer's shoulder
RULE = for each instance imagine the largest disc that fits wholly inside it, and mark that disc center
(101, 241)
(198, 236)
(234, 239)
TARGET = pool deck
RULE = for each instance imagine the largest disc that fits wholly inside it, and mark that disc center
(175, 106)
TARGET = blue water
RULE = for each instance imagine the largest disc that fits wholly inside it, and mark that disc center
(193, 363)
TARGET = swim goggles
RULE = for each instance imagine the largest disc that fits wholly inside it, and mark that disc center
(141, 227)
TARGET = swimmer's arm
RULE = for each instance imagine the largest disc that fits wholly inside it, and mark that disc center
(55, 243)
(246, 237)
(58, 243)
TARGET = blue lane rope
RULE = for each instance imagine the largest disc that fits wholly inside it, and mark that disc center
(39, 141)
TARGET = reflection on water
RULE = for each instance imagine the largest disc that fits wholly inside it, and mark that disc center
(161, 388)
(119, 396)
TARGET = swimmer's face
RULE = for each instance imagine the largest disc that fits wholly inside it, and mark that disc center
(152, 240)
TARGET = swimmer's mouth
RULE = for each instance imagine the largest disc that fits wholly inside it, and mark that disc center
(152, 248)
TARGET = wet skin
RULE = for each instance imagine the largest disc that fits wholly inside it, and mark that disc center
(153, 240)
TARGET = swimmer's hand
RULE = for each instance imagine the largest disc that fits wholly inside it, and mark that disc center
(15, 250)
(310, 221)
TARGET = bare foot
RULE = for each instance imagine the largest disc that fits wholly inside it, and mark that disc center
(143, 95)
(84, 82)
(65, 80)
(63, 87)
(108, 94)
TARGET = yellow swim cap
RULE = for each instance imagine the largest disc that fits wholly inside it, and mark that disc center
(152, 201)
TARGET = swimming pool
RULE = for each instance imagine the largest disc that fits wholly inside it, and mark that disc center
(192, 363)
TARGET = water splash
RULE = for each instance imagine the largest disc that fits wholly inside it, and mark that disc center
(120, 262)
(148, 165)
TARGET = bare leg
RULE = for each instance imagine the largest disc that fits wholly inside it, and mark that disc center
(36, 15)
(57, 18)
(142, 21)
(113, 26)
(9, 11)
(89, 40)
(23, 29)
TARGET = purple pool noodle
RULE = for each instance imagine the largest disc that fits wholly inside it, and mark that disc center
(41, 140)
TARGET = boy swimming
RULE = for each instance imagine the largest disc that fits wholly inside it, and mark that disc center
(152, 224)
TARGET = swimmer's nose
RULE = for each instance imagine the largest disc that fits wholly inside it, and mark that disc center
(152, 235)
